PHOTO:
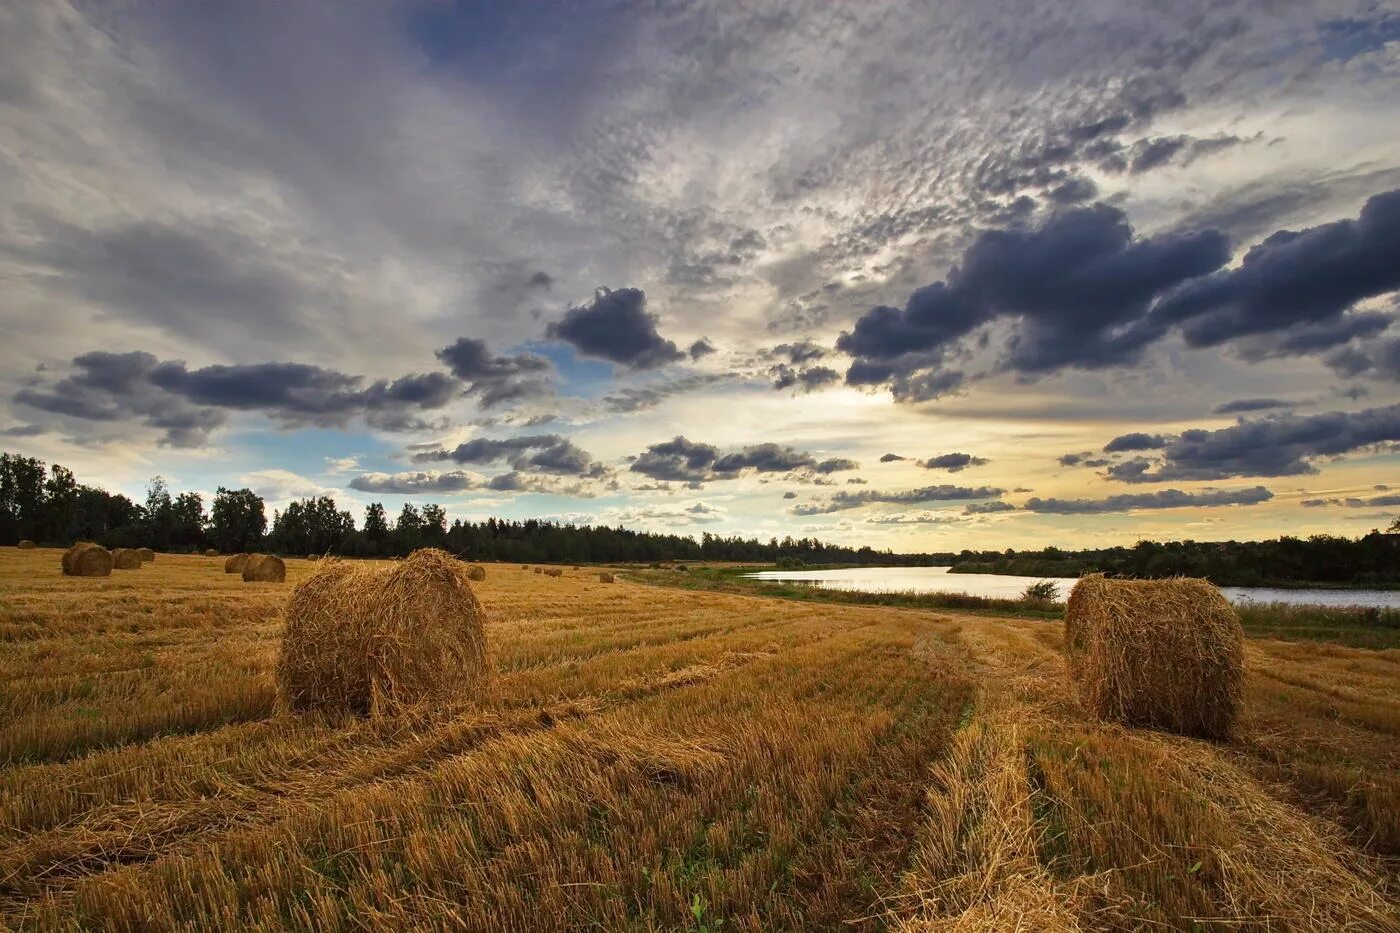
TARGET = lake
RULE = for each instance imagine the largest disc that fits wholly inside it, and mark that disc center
(1001, 586)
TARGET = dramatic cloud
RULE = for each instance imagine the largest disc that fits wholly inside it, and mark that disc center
(1083, 292)
(840, 501)
(496, 379)
(701, 348)
(539, 453)
(1135, 441)
(1284, 445)
(615, 326)
(1305, 278)
(1353, 502)
(429, 482)
(1164, 499)
(188, 404)
(1242, 405)
(806, 380)
(683, 460)
(953, 463)
(798, 353)
(1079, 288)
(892, 458)
(988, 508)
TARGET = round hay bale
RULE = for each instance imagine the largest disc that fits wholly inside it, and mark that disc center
(26, 545)
(86, 559)
(1168, 654)
(476, 572)
(212, 552)
(147, 555)
(539, 570)
(606, 578)
(524, 566)
(126, 558)
(264, 568)
(555, 572)
(375, 640)
(234, 563)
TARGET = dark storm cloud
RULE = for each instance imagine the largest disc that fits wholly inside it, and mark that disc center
(1073, 191)
(1148, 154)
(496, 379)
(1134, 441)
(805, 380)
(835, 465)
(892, 458)
(988, 508)
(683, 460)
(521, 481)
(540, 453)
(25, 430)
(1080, 287)
(409, 484)
(188, 404)
(804, 351)
(1307, 277)
(1284, 445)
(615, 326)
(953, 463)
(1163, 499)
(1070, 460)
(1085, 293)
(1353, 502)
(701, 348)
(843, 500)
(1241, 405)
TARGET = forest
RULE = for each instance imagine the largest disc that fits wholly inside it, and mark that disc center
(47, 504)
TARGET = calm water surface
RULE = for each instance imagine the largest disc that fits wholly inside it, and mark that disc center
(939, 580)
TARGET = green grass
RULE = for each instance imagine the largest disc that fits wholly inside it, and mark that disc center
(1354, 626)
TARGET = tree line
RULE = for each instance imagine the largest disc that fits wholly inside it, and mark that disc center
(47, 504)
(1370, 560)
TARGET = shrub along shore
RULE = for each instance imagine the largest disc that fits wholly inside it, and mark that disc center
(1356, 626)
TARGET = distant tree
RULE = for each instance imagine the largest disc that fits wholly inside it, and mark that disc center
(22, 513)
(311, 526)
(61, 506)
(1394, 528)
(434, 527)
(376, 529)
(237, 520)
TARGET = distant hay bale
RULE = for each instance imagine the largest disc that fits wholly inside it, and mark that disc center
(86, 559)
(26, 544)
(524, 566)
(264, 568)
(554, 572)
(476, 572)
(212, 552)
(1162, 653)
(147, 555)
(126, 558)
(374, 640)
(234, 563)
(577, 567)
(606, 578)
(539, 570)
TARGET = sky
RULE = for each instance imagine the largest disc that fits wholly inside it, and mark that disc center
(918, 276)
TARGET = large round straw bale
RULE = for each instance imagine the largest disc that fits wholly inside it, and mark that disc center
(606, 578)
(264, 568)
(524, 566)
(1162, 653)
(147, 555)
(212, 552)
(126, 558)
(234, 563)
(539, 570)
(377, 639)
(86, 559)
(555, 572)
(26, 544)
(476, 572)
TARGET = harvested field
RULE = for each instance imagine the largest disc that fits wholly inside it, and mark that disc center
(661, 758)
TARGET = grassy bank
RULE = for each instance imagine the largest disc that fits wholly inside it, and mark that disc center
(1355, 626)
